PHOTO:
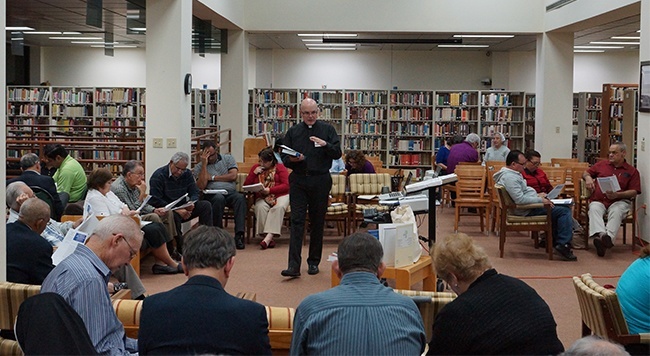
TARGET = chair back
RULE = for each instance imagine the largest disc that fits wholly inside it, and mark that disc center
(478, 163)
(368, 183)
(338, 185)
(471, 182)
(614, 306)
(280, 327)
(45, 196)
(504, 198)
(555, 175)
(12, 295)
(429, 304)
(562, 161)
(494, 166)
(128, 311)
(241, 178)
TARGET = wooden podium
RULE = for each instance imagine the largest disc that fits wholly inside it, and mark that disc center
(407, 276)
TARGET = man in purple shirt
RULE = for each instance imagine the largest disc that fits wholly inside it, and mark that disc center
(463, 152)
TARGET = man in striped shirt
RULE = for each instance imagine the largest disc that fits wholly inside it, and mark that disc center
(360, 316)
(81, 280)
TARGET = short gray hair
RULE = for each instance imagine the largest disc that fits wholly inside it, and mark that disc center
(180, 156)
(130, 166)
(594, 345)
(14, 190)
(359, 252)
(34, 209)
(208, 247)
(29, 160)
(473, 138)
(118, 224)
(622, 146)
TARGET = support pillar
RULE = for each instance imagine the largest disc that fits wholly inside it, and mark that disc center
(234, 91)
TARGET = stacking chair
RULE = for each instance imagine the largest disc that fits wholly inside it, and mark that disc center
(366, 184)
(562, 161)
(495, 205)
(569, 189)
(601, 313)
(511, 222)
(556, 175)
(470, 192)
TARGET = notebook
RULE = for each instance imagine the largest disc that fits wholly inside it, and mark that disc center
(555, 192)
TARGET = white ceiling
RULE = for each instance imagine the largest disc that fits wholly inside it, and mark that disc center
(69, 15)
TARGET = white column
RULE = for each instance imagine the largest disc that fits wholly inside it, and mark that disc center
(643, 129)
(169, 46)
(554, 95)
(3, 133)
(234, 91)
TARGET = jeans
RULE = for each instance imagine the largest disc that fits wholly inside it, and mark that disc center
(561, 220)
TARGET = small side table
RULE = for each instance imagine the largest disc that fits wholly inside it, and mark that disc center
(407, 276)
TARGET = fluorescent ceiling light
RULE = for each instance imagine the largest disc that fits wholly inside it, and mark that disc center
(18, 28)
(461, 46)
(327, 35)
(43, 33)
(639, 31)
(330, 44)
(588, 51)
(626, 37)
(77, 38)
(484, 36)
(319, 40)
(119, 46)
(71, 33)
(598, 47)
(94, 42)
(334, 48)
(17, 39)
(614, 43)
(138, 28)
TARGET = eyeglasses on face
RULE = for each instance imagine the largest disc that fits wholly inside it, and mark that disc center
(314, 112)
(131, 250)
(536, 164)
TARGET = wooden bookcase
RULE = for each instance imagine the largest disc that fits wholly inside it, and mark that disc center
(455, 113)
(630, 118)
(275, 110)
(330, 103)
(410, 117)
(502, 111)
(366, 122)
(529, 122)
(100, 127)
(587, 123)
(614, 117)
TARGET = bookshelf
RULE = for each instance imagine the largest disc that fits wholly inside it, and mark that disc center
(199, 108)
(330, 103)
(100, 127)
(614, 117)
(575, 127)
(587, 123)
(214, 107)
(630, 118)
(455, 113)
(529, 122)
(275, 110)
(410, 119)
(366, 124)
(502, 111)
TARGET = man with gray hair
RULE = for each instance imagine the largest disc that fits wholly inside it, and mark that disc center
(30, 164)
(174, 323)
(360, 316)
(81, 280)
(593, 345)
(171, 182)
(29, 256)
(465, 151)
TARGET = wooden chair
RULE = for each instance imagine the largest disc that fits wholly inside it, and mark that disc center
(562, 161)
(511, 222)
(366, 184)
(569, 189)
(470, 193)
(429, 304)
(495, 205)
(228, 213)
(556, 175)
(601, 313)
(12, 295)
(494, 165)
(253, 145)
(339, 210)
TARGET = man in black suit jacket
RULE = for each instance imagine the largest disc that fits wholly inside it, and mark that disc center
(29, 256)
(31, 166)
(200, 317)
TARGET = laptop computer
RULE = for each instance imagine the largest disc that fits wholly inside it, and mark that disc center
(555, 192)
(397, 195)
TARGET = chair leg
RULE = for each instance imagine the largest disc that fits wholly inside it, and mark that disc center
(457, 218)
(502, 241)
(549, 243)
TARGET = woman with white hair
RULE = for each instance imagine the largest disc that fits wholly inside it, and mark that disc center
(498, 151)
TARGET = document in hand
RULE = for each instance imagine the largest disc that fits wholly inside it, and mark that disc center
(215, 191)
(171, 205)
(185, 205)
(290, 151)
(253, 187)
(144, 202)
(608, 184)
(73, 238)
(567, 201)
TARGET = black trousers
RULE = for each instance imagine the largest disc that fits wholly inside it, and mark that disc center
(308, 193)
(234, 200)
(203, 210)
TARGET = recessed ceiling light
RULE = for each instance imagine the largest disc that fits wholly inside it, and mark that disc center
(319, 40)
(484, 36)
(94, 42)
(77, 38)
(119, 46)
(42, 33)
(18, 28)
(17, 39)
(71, 33)
(626, 37)
(334, 48)
(330, 44)
(139, 29)
(461, 46)
(327, 35)
(588, 51)
(598, 47)
(614, 43)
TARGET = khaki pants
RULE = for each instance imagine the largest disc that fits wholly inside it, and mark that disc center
(615, 215)
(269, 219)
(167, 220)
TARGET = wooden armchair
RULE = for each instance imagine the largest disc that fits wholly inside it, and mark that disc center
(601, 313)
(228, 213)
(511, 222)
(470, 193)
(556, 175)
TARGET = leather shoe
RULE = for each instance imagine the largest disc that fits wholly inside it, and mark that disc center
(565, 252)
(607, 241)
(272, 244)
(600, 247)
(163, 269)
(290, 272)
(313, 269)
(263, 245)
(239, 242)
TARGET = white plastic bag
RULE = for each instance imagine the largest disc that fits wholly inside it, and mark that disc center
(404, 214)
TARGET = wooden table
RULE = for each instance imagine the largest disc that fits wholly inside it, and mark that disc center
(405, 277)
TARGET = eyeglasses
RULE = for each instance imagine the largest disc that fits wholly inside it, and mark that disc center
(315, 112)
(536, 164)
(179, 168)
(138, 173)
(519, 163)
(131, 250)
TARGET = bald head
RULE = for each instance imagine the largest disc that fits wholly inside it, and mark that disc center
(35, 213)
(15, 191)
(309, 111)
(117, 224)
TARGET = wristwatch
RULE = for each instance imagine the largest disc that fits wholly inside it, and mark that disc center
(212, 178)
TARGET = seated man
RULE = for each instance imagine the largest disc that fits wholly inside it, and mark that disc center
(174, 323)
(29, 256)
(81, 280)
(360, 316)
(30, 164)
(172, 181)
(510, 177)
(465, 151)
(217, 171)
(535, 177)
(70, 177)
(615, 204)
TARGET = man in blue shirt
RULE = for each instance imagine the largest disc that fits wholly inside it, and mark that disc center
(360, 316)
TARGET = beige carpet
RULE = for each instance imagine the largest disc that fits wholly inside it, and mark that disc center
(259, 271)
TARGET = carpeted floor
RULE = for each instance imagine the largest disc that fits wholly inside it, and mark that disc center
(259, 271)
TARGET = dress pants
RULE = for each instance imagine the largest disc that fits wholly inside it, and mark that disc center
(562, 222)
(310, 192)
(615, 214)
(234, 200)
(269, 218)
(167, 220)
(202, 210)
(127, 274)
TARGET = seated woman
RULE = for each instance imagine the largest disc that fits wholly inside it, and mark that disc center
(356, 162)
(273, 200)
(633, 292)
(498, 151)
(494, 314)
(102, 202)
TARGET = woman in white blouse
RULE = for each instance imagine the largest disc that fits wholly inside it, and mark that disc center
(102, 202)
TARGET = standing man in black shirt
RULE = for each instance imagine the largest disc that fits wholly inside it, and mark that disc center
(309, 183)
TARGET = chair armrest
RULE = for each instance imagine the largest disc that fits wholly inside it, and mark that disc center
(529, 206)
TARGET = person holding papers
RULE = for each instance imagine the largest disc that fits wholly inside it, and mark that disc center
(614, 202)
(316, 144)
(101, 201)
(272, 200)
(535, 177)
(511, 178)
(173, 181)
(219, 172)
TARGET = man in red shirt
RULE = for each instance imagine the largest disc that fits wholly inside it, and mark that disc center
(535, 177)
(615, 204)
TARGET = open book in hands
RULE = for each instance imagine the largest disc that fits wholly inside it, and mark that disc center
(253, 187)
(608, 184)
(289, 151)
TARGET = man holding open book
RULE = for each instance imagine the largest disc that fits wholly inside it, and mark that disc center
(608, 198)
